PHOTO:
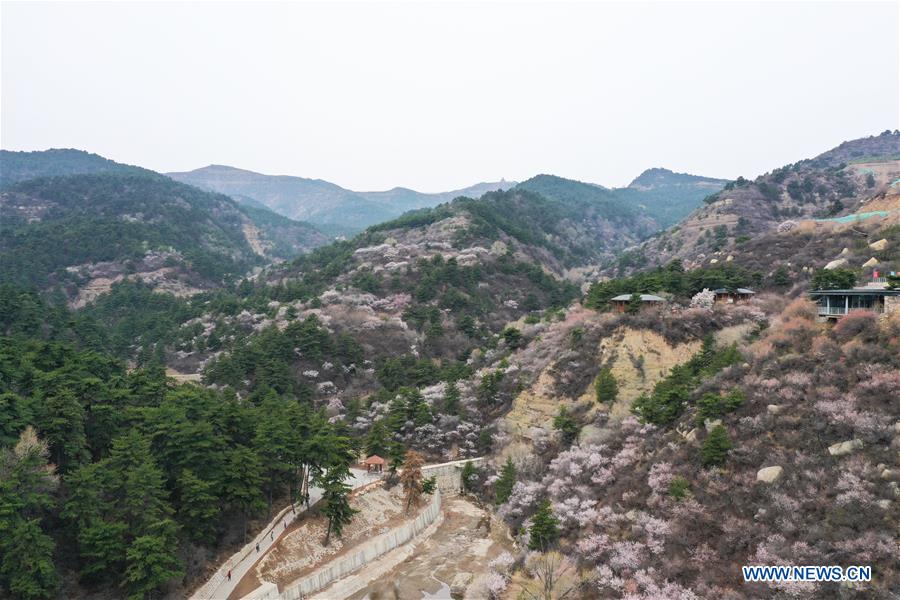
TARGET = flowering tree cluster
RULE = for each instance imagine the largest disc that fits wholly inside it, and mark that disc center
(704, 299)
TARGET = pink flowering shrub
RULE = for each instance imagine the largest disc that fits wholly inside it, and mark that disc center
(854, 489)
(495, 584)
(862, 325)
(613, 502)
(522, 501)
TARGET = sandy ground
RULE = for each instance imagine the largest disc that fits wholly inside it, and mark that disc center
(465, 542)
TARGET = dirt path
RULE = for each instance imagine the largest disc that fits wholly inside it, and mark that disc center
(242, 565)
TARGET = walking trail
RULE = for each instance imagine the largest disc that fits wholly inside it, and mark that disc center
(219, 587)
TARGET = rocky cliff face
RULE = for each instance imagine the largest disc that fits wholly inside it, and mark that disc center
(639, 358)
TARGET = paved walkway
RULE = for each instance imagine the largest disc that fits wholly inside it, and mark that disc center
(240, 565)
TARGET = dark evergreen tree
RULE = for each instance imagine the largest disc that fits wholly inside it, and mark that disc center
(26, 551)
(634, 304)
(198, 510)
(273, 440)
(451, 399)
(544, 529)
(504, 485)
(567, 425)
(714, 450)
(607, 388)
(378, 441)
(335, 496)
(60, 421)
(242, 483)
(467, 476)
(152, 560)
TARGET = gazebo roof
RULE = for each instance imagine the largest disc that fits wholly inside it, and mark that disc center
(741, 291)
(644, 298)
(374, 460)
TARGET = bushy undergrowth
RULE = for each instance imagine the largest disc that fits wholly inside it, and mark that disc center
(653, 513)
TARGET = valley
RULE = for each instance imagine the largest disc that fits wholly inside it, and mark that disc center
(635, 387)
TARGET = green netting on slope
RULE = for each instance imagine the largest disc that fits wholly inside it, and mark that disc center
(856, 217)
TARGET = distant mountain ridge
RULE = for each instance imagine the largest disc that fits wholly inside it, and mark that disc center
(80, 221)
(659, 196)
(772, 218)
(656, 177)
(321, 202)
(664, 195)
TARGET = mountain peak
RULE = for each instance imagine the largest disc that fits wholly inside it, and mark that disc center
(657, 176)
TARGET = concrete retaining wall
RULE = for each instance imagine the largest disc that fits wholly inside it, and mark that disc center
(367, 552)
(449, 475)
(267, 591)
(206, 591)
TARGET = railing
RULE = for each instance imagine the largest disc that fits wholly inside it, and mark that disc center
(826, 311)
(363, 554)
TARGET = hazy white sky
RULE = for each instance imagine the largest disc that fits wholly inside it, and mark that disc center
(439, 96)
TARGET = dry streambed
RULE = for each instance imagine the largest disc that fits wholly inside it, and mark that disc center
(455, 557)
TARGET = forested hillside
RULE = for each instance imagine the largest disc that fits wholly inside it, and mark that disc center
(856, 178)
(121, 479)
(22, 166)
(83, 232)
(655, 200)
(653, 450)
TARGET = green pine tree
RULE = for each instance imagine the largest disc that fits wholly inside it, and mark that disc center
(242, 482)
(335, 497)
(504, 485)
(451, 399)
(273, 440)
(198, 509)
(378, 441)
(138, 483)
(714, 450)
(26, 566)
(544, 529)
(607, 387)
(418, 410)
(396, 456)
(60, 421)
(634, 304)
(397, 413)
(567, 425)
(26, 551)
(152, 560)
(468, 476)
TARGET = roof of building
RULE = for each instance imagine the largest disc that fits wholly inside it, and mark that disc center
(742, 291)
(644, 298)
(866, 291)
(374, 460)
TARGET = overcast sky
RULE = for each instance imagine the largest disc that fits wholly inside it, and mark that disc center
(439, 96)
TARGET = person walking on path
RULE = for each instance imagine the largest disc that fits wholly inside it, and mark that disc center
(229, 574)
(272, 535)
(257, 546)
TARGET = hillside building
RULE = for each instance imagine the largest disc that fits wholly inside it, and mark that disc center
(735, 296)
(874, 297)
(620, 302)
